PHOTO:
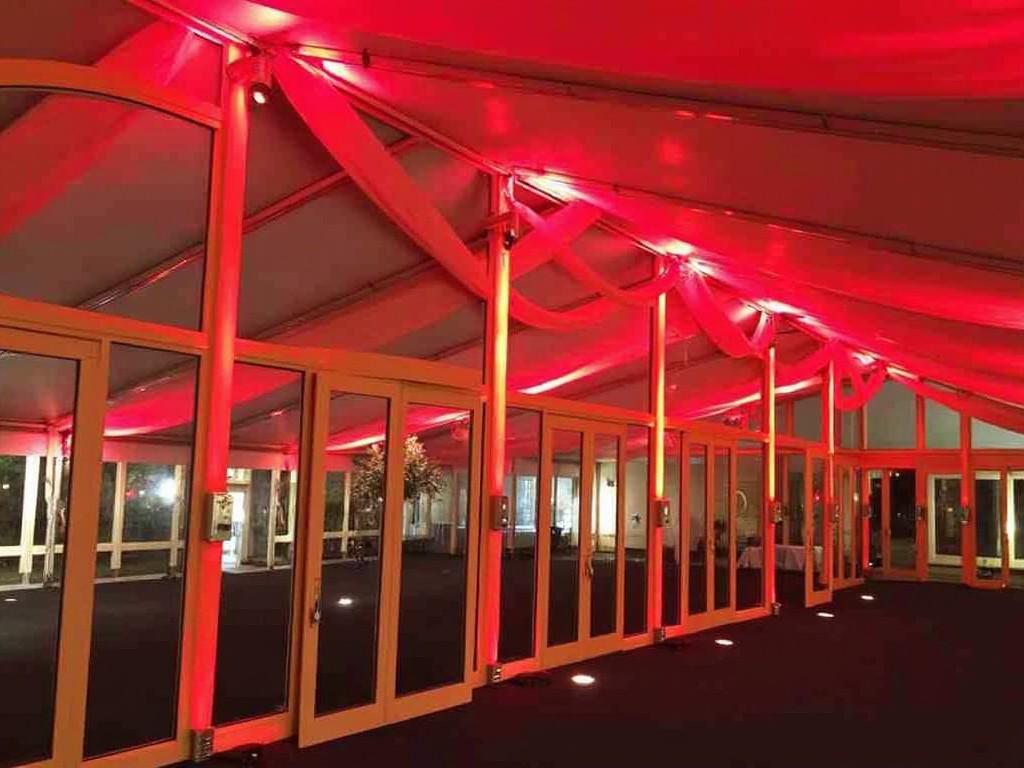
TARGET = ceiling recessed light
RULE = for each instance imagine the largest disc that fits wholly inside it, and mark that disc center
(582, 679)
(825, 615)
(345, 601)
(723, 641)
(867, 597)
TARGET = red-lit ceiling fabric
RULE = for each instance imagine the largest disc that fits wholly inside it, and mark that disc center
(353, 145)
(546, 234)
(711, 317)
(56, 141)
(862, 391)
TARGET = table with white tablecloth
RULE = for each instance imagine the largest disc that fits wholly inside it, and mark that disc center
(788, 557)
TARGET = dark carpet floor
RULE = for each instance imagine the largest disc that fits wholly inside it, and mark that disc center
(925, 675)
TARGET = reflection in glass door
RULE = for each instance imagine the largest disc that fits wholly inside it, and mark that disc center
(902, 523)
(387, 631)
(1015, 520)
(722, 529)
(790, 553)
(817, 575)
(697, 592)
(945, 527)
(988, 526)
(583, 562)
(564, 556)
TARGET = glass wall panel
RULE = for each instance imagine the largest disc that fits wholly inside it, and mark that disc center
(636, 529)
(354, 502)
(564, 563)
(749, 524)
(110, 216)
(1015, 520)
(35, 393)
(256, 581)
(722, 528)
(892, 417)
(435, 546)
(697, 592)
(671, 542)
(604, 536)
(519, 550)
(137, 619)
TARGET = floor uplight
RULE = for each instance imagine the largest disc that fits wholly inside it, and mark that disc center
(345, 602)
(869, 598)
(825, 615)
(723, 641)
(582, 679)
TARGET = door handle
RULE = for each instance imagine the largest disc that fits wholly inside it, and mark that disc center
(316, 613)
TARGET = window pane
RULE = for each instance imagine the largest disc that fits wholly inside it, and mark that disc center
(941, 426)
(988, 530)
(149, 428)
(790, 556)
(35, 392)
(112, 216)
(256, 584)
(807, 418)
(356, 464)
(519, 551)
(435, 541)
(985, 435)
(892, 417)
(564, 565)
(818, 522)
(637, 495)
(723, 522)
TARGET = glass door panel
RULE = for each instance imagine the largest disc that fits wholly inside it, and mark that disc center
(671, 542)
(35, 509)
(816, 544)
(988, 529)
(902, 519)
(749, 523)
(722, 530)
(353, 488)
(697, 591)
(1015, 520)
(602, 565)
(789, 534)
(945, 527)
(875, 518)
(564, 558)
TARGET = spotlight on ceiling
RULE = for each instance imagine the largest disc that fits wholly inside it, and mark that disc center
(582, 679)
(723, 642)
(825, 615)
(869, 598)
(259, 93)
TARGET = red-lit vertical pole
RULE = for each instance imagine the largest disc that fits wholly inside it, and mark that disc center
(657, 474)
(828, 406)
(968, 567)
(220, 318)
(496, 378)
(768, 425)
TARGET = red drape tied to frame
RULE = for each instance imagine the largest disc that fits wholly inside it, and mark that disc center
(332, 119)
(713, 320)
(554, 235)
(863, 390)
